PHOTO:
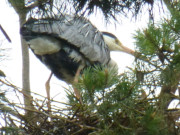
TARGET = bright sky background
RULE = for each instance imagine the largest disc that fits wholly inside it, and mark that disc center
(38, 72)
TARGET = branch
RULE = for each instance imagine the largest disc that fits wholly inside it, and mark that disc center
(11, 111)
(5, 34)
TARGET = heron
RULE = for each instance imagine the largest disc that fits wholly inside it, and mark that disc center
(67, 44)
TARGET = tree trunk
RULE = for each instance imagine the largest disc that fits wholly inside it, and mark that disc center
(20, 9)
(25, 69)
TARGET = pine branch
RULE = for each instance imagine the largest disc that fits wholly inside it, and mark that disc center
(5, 108)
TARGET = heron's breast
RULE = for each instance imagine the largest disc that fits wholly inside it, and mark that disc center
(44, 45)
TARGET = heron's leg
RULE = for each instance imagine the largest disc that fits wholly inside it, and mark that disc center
(48, 91)
(76, 91)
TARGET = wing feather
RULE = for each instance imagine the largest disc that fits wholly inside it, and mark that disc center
(78, 31)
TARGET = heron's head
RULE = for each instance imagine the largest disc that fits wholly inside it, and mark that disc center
(114, 44)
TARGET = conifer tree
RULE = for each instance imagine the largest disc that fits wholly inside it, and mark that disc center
(137, 102)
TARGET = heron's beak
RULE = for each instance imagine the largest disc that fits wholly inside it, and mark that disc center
(125, 49)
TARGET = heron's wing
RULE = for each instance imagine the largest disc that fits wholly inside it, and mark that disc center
(78, 31)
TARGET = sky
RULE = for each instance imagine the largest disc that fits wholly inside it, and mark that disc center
(38, 72)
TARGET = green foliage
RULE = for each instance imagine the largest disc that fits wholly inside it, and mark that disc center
(159, 43)
(119, 108)
(9, 130)
(137, 102)
(147, 42)
(154, 123)
(97, 78)
(95, 81)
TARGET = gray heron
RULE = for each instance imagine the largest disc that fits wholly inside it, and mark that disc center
(68, 44)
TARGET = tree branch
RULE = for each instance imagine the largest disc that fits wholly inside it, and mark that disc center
(5, 34)
(9, 110)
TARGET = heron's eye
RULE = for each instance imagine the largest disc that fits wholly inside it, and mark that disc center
(117, 41)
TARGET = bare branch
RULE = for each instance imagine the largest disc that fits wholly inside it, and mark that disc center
(5, 34)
